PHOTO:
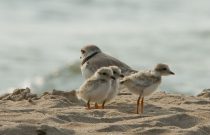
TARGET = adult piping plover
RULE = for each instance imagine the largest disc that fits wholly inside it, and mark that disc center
(114, 85)
(144, 83)
(93, 58)
(96, 88)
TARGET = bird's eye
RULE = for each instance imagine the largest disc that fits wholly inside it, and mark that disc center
(164, 69)
(115, 72)
(104, 74)
(82, 51)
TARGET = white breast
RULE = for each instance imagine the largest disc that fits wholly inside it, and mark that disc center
(114, 90)
(149, 90)
(86, 73)
(100, 94)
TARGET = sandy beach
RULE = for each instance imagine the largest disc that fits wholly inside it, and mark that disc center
(61, 113)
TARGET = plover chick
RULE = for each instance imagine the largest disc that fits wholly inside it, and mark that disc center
(114, 85)
(96, 88)
(93, 58)
(145, 83)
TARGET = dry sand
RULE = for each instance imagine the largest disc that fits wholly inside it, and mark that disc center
(60, 113)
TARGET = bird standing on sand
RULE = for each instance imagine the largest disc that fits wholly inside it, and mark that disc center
(145, 83)
(114, 85)
(93, 58)
(96, 88)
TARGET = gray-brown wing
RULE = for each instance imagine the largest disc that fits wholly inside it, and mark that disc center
(88, 85)
(144, 80)
(91, 85)
(104, 60)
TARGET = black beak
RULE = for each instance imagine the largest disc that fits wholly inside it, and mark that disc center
(172, 73)
(122, 76)
(113, 77)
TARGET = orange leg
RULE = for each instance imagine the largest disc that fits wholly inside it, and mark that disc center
(103, 105)
(96, 106)
(137, 108)
(142, 105)
(88, 105)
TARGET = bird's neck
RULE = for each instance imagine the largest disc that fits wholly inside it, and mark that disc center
(155, 73)
(88, 57)
(157, 76)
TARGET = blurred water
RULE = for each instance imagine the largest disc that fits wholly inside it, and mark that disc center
(40, 40)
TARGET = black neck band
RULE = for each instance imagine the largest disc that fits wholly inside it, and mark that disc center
(89, 57)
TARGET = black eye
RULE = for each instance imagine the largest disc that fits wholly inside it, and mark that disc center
(104, 74)
(164, 69)
(115, 72)
(82, 51)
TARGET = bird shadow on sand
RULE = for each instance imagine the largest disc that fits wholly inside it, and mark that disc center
(149, 109)
(87, 118)
(129, 108)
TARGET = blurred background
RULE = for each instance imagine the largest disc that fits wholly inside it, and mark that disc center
(40, 40)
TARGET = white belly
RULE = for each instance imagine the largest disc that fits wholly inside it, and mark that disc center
(99, 94)
(151, 89)
(146, 92)
(113, 91)
(86, 73)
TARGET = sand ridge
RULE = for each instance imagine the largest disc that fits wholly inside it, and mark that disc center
(61, 113)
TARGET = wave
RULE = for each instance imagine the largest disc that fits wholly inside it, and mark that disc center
(66, 78)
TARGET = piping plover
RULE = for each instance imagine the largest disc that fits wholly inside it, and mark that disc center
(96, 88)
(114, 85)
(93, 58)
(144, 83)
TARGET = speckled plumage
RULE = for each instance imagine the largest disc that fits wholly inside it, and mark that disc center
(145, 82)
(96, 88)
(114, 90)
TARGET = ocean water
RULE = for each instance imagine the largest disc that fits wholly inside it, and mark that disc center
(40, 40)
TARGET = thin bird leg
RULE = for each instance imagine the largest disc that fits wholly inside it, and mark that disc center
(103, 105)
(137, 110)
(96, 106)
(88, 105)
(142, 105)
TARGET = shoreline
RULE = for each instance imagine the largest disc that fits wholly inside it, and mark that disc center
(61, 113)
